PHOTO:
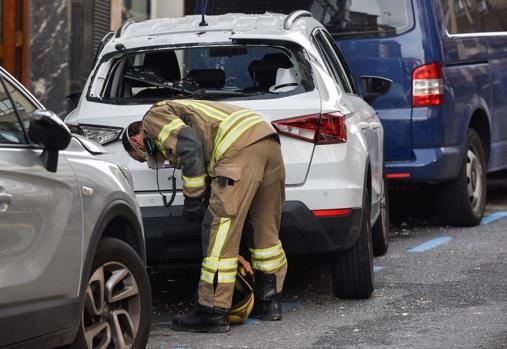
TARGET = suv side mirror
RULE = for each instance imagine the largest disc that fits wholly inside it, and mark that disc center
(48, 130)
(374, 86)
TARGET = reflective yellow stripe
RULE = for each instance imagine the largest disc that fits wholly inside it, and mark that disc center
(206, 109)
(226, 277)
(224, 128)
(193, 182)
(165, 132)
(227, 123)
(271, 265)
(223, 229)
(265, 253)
(224, 263)
(234, 134)
(208, 277)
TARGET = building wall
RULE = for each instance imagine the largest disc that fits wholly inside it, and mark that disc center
(64, 35)
(49, 52)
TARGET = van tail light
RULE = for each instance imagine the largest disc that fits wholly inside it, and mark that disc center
(427, 85)
(327, 128)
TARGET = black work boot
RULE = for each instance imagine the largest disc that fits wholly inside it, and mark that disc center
(267, 310)
(201, 321)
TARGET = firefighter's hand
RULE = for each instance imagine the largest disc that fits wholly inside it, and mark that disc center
(244, 263)
(193, 208)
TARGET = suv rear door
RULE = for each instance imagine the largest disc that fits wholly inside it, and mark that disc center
(40, 229)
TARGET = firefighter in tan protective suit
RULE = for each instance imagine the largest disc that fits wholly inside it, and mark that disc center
(240, 153)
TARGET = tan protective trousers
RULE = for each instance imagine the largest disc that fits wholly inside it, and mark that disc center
(249, 185)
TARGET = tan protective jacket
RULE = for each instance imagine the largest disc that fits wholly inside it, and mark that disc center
(195, 134)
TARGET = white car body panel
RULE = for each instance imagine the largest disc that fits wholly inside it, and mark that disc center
(321, 177)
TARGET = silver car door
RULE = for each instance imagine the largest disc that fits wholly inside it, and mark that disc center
(40, 213)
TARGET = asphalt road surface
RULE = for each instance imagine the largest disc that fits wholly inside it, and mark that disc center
(437, 287)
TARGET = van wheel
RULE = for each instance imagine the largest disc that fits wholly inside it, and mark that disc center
(462, 201)
(352, 270)
(380, 230)
(117, 304)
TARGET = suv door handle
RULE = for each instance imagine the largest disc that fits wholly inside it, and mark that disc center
(375, 125)
(5, 200)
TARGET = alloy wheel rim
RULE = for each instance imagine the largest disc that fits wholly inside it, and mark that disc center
(112, 308)
(474, 180)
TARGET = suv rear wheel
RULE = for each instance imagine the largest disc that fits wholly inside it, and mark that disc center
(117, 305)
(352, 270)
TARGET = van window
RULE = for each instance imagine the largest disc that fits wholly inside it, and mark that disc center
(364, 17)
(358, 18)
(471, 16)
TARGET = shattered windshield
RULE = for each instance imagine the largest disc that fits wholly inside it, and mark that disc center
(216, 72)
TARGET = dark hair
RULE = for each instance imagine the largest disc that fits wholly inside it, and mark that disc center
(132, 130)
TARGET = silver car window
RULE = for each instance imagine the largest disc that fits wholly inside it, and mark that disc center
(24, 107)
(11, 130)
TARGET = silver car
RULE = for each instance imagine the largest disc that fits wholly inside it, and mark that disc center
(72, 249)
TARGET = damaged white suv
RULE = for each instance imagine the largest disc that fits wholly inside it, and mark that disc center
(289, 70)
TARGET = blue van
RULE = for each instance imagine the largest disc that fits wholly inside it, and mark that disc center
(445, 118)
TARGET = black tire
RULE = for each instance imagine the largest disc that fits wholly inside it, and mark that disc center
(380, 230)
(352, 270)
(462, 201)
(114, 257)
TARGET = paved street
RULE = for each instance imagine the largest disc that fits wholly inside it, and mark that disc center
(437, 287)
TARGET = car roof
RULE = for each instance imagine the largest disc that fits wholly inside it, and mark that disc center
(221, 28)
(238, 23)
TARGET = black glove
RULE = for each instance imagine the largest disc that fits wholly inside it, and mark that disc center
(193, 208)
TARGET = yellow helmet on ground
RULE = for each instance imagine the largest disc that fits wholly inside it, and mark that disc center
(242, 299)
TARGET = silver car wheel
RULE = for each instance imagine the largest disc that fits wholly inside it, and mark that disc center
(111, 313)
(474, 182)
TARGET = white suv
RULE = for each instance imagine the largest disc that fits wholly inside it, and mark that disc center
(289, 70)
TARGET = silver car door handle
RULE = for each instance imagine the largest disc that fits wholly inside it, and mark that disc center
(375, 125)
(5, 200)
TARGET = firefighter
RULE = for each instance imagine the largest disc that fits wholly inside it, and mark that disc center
(240, 153)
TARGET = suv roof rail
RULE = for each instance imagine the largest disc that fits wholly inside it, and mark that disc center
(292, 17)
(123, 26)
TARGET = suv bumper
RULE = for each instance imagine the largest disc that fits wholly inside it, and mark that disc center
(430, 165)
(170, 239)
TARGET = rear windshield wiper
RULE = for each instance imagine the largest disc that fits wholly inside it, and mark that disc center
(150, 78)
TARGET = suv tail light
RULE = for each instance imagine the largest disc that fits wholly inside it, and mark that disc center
(327, 128)
(427, 85)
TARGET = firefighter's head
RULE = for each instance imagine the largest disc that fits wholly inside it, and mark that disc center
(133, 141)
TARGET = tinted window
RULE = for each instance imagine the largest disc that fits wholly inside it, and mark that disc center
(471, 16)
(11, 131)
(363, 18)
(345, 74)
(331, 61)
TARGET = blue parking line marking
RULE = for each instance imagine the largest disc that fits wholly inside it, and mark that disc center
(377, 269)
(288, 306)
(249, 322)
(428, 245)
(493, 217)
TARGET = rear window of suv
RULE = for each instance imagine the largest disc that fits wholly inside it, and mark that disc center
(213, 72)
